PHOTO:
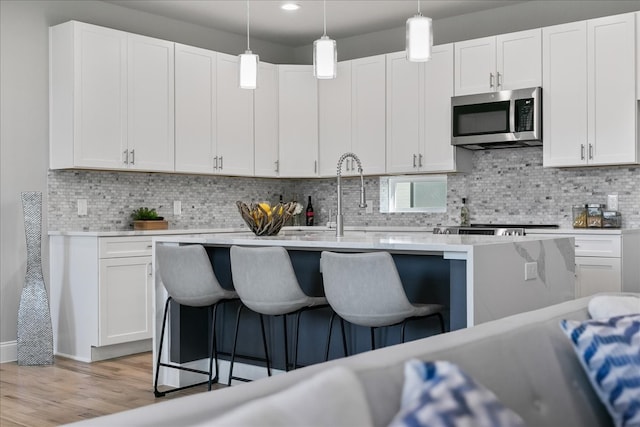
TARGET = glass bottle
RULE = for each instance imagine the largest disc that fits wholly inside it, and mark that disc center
(464, 213)
(309, 213)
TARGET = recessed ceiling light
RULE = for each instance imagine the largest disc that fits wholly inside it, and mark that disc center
(290, 6)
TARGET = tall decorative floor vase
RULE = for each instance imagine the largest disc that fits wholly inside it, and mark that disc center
(35, 334)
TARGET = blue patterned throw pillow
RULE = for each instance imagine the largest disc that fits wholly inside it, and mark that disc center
(609, 351)
(440, 394)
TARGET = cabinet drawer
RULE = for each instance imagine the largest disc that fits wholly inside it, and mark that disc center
(117, 247)
(598, 246)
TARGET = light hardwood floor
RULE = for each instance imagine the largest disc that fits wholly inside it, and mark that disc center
(70, 391)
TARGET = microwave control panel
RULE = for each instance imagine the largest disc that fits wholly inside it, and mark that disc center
(524, 115)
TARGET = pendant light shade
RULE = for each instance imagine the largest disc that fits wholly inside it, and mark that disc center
(325, 53)
(419, 38)
(325, 58)
(248, 64)
(248, 70)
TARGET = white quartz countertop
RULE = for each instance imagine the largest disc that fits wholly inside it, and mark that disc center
(361, 240)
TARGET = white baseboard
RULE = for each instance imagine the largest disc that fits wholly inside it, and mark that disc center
(8, 351)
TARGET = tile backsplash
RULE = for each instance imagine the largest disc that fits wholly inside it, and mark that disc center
(505, 186)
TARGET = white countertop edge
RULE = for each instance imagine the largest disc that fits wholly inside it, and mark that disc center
(394, 229)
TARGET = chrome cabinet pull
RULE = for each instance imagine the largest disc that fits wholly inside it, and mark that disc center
(498, 83)
(221, 162)
(420, 160)
(277, 162)
(315, 166)
(126, 157)
(133, 157)
(490, 79)
(215, 163)
(414, 160)
(581, 151)
(590, 151)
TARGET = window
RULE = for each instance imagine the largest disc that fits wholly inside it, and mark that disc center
(424, 193)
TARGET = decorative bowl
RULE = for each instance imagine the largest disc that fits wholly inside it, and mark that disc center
(263, 219)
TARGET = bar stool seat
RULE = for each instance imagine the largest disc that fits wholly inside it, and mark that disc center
(365, 289)
(266, 284)
(188, 277)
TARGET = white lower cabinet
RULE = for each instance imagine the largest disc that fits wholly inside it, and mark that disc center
(605, 261)
(101, 295)
(124, 300)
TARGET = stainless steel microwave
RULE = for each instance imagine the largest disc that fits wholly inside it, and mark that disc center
(505, 119)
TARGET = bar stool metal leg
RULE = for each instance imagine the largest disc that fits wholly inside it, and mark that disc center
(264, 343)
(164, 323)
(235, 343)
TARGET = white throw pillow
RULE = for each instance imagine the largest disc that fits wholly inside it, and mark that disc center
(606, 306)
(331, 398)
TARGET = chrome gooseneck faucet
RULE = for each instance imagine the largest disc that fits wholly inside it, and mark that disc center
(363, 203)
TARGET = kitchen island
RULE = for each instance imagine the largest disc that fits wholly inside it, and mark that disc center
(478, 278)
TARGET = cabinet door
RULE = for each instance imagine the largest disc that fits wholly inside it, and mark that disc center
(611, 90)
(150, 103)
(638, 55)
(195, 96)
(265, 104)
(234, 124)
(125, 307)
(438, 154)
(519, 60)
(298, 121)
(595, 275)
(475, 64)
(405, 104)
(334, 115)
(368, 117)
(100, 96)
(564, 97)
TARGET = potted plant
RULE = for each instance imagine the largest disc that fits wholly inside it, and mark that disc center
(148, 219)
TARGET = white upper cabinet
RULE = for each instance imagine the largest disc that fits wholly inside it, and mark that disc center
(195, 94)
(438, 155)
(352, 117)
(335, 122)
(504, 62)
(234, 123)
(589, 100)
(638, 54)
(111, 99)
(298, 121)
(214, 117)
(266, 121)
(368, 114)
(419, 115)
(150, 104)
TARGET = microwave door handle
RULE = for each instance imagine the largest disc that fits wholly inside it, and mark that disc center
(512, 116)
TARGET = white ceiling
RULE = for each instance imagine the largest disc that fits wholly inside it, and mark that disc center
(269, 22)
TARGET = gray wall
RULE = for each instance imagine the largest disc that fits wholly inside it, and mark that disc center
(24, 91)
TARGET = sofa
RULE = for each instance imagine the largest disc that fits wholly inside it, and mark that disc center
(526, 360)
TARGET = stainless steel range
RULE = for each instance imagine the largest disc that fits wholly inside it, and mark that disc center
(492, 229)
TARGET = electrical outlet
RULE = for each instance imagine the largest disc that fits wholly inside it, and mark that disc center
(530, 270)
(177, 207)
(369, 208)
(82, 207)
(612, 202)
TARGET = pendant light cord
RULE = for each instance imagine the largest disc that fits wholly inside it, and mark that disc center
(248, 48)
(324, 14)
(419, 12)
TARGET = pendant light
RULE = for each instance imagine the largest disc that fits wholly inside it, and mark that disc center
(419, 37)
(248, 75)
(325, 54)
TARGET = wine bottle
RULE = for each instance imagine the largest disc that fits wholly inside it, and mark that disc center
(464, 213)
(309, 213)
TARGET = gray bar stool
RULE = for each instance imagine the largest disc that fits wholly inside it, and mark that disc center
(365, 289)
(188, 277)
(266, 283)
